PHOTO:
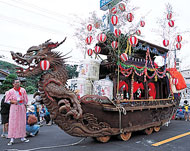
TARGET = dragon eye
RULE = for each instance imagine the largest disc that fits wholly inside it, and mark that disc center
(34, 53)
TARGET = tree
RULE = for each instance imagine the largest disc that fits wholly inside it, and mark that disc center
(72, 73)
(7, 84)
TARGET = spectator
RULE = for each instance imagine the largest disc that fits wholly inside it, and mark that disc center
(5, 107)
(31, 128)
(47, 117)
(18, 99)
(186, 114)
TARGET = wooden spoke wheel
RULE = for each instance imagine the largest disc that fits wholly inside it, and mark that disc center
(103, 139)
(157, 128)
(125, 136)
(148, 131)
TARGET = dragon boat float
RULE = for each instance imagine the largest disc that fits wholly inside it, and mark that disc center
(117, 96)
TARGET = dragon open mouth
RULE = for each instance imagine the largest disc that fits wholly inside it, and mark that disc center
(30, 65)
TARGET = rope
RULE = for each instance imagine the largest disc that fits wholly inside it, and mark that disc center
(120, 110)
(40, 148)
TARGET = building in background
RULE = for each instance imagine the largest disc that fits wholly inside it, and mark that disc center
(186, 91)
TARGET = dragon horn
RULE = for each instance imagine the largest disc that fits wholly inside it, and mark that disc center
(47, 40)
(62, 41)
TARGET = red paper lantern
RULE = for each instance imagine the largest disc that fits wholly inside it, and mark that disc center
(138, 32)
(133, 41)
(130, 17)
(122, 7)
(124, 57)
(44, 65)
(114, 45)
(178, 46)
(175, 81)
(101, 37)
(97, 49)
(171, 23)
(169, 16)
(155, 65)
(179, 38)
(114, 10)
(114, 20)
(117, 32)
(165, 42)
(89, 27)
(142, 23)
(89, 40)
(90, 52)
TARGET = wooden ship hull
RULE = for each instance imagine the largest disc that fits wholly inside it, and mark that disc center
(101, 121)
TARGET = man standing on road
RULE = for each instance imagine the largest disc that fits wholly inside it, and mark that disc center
(18, 99)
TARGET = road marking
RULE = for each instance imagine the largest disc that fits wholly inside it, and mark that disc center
(170, 139)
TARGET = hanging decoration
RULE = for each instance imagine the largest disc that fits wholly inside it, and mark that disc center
(114, 45)
(142, 23)
(127, 69)
(178, 46)
(138, 32)
(114, 10)
(101, 37)
(124, 57)
(122, 7)
(155, 65)
(97, 49)
(89, 40)
(165, 42)
(89, 27)
(133, 41)
(179, 38)
(117, 32)
(169, 16)
(130, 17)
(90, 52)
(175, 81)
(171, 23)
(44, 65)
(114, 20)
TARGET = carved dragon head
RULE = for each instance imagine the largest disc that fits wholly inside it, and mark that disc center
(35, 55)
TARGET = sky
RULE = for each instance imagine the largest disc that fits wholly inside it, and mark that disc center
(25, 23)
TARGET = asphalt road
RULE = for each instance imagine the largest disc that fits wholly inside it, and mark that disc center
(54, 139)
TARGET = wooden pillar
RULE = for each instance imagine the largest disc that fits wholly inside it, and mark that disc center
(132, 81)
(114, 86)
(146, 90)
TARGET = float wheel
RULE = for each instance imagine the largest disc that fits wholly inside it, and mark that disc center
(125, 136)
(148, 131)
(157, 128)
(103, 139)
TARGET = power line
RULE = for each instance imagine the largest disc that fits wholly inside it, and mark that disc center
(35, 26)
(3, 45)
(45, 10)
(27, 10)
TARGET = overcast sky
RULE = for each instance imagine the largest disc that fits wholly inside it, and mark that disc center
(31, 22)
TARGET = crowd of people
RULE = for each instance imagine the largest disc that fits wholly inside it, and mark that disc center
(183, 112)
(19, 118)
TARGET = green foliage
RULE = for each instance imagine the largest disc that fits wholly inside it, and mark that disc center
(122, 41)
(5, 65)
(29, 83)
(7, 84)
(31, 89)
(72, 71)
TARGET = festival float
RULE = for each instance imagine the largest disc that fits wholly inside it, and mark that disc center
(116, 96)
